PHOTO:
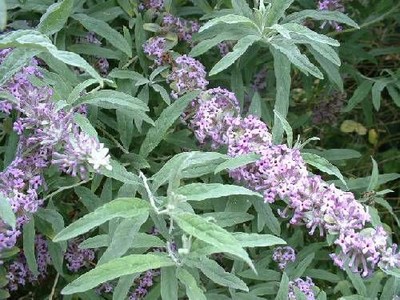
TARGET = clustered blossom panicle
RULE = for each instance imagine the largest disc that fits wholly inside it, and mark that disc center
(77, 258)
(187, 75)
(225, 47)
(213, 109)
(143, 285)
(46, 136)
(305, 286)
(183, 28)
(284, 255)
(280, 173)
(333, 5)
(18, 273)
(327, 112)
(155, 48)
(156, 5)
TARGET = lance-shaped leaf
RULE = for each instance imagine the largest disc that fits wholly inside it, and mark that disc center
(192, 289)
(119, 208)
(238, 50)
(277, 11)
(228, 19)
(55, 17)
(257, 240)
(6, 212)
(323, 15)
(202, 191)
(212, 234)
(135, 263)
(106, 31)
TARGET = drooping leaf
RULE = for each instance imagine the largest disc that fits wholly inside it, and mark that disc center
(135, 263)
(202, 191)
(28, 235)
(55, 17)
(193, 291)
(119, 208)
(212, 234)
(106, 31)
(169, 284)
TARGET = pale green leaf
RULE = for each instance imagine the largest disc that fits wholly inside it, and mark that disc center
(28, 235)
(106, 31)
(135, 263)
(6, 212)
(237, 161)
(228, 19)
(193, 291)
(238, 50)
(55, 17)
(257, 240)
(119, 208)
(202, 191)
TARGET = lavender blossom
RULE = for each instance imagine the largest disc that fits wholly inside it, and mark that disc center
(212, 109)
(332, 5)
(156, 5)
(18, 273)
(145, 282)
(78, 258)
(155, 48)
(283, 255)
(183, 28)
(187, 75)
(305, 286)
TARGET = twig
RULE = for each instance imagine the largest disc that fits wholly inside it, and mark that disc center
(66, 188)
(53, 290)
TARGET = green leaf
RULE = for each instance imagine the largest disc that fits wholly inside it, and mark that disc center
(202, 191)
(359, 95)
(323, 165)
(76, 92)
(277, 11)
(302, 266)
(6, 212)
(357, 282)
(204, 45)
(169, 115)
(193, 291)
(124, 284)
(286, 127)
(98, 241)
(301, 30)
(28, 235)
(265, 216)
(119, 173)
(55, 17)
(394, 94)
(119, 208)
(237, 161)
(322, 15)
(120, 241)
(109, 99)
(376, 91)
(211, 234)
(85, 125)
(227, 218)
(242, 8)
(35, 40)
(391, 286)
(373, 182)
(293, 53)
(3, 14)
(106, 31)
(128, 74)
(328, 65)
(169, 284)
(283, 288)
(283, 82)
(135, 263)
(216, 273)
(257, 240)
(228, 19)
(238, 50)
(14, 61)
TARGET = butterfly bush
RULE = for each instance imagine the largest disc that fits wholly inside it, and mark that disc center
(305, 286)
(183, 28)
(331, 5)
(281, 173)
(47, 136)
(284, 255)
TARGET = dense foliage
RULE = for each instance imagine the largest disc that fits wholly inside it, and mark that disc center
(218, 149)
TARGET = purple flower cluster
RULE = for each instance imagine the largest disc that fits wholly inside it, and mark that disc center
(46, 136)
(305, 286)
(77, 258)
(156, 5)
(18, 273)
(284, 255)
(327, 112)
(280, 173)
(183, 28)
(259, 80)
(101, 63)
(213, 108)
(188, 74)
(144, 283)
(333, 5)
(155, 48)
(225, 47)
